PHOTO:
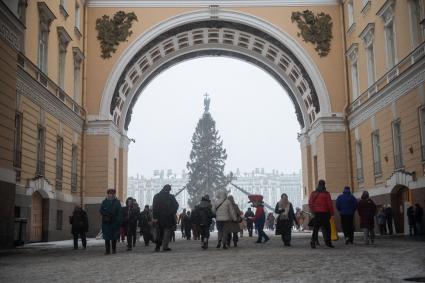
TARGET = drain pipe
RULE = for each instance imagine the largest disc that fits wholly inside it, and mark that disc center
(347, 124)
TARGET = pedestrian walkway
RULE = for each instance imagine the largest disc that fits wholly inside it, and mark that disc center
(391, 260)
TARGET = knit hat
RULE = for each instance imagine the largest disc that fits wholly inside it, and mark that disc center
(111, 191)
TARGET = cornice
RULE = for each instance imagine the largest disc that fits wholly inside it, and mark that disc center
(200, 3)
(352, 52)
(367, 35)
(404, 83)
(30, 88)
(386, 12)
(104, 128)
(334, 124)
(11, 29)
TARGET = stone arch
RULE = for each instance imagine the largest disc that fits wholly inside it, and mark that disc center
(400, 196)
(228, 33)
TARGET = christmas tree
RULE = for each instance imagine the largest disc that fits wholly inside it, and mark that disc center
(207, 160)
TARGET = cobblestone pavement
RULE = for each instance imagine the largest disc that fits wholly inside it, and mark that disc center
(390, 260)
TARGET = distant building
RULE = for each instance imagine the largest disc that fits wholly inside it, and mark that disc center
(270, 185)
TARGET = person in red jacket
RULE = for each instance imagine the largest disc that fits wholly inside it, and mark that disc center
(320, 204)
(259, 218)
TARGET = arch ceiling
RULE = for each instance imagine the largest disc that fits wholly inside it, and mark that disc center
(216, 37)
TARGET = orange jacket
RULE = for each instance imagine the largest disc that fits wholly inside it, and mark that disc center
(321, 202)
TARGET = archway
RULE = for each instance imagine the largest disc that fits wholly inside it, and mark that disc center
(36, 231)
(399, 203)
(227, 34)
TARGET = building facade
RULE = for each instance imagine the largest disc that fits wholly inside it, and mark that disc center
(68, 88)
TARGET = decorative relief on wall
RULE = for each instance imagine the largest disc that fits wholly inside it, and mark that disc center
(316, 29)
(110, 32)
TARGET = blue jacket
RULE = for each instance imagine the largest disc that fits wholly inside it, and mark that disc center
(346, 203)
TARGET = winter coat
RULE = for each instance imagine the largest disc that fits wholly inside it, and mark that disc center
(247, 215)
(205, 213)
(346, 203)
(259, 217)
(165, 208)
(388, 213)
(419, 214)
(321, 202)
(225, 211)
(79, 222)
(282, 223)
(367, 210)
(187, 222)
(381, 218)
(411, 215)
(111, 219)
(130, 218)
(144, 221)
(234, 226)
(194, 216)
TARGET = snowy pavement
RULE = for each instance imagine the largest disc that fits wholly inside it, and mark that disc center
(391, 259)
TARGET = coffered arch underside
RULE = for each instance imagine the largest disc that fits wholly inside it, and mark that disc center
(215, 38)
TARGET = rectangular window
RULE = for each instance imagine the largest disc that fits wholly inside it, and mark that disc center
(59, 219)
(77, 16)
(17, 156)
(376, 153)
(390, 42)
(77, 76)
(61, 67)
(74, 168)
(359, 161)
(40, 151)
(416, 15)
(350, 13)
(397, 147)
(355, 80)
(59, 163)
(370, 65)
(422, 128)
(42, 48)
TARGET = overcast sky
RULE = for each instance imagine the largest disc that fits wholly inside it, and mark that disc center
(253, 114)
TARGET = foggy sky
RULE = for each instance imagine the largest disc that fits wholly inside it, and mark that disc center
(253, 114)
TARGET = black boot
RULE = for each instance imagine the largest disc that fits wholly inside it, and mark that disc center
(114, 246)
(313, 244)
(219, 245)
(107, 247)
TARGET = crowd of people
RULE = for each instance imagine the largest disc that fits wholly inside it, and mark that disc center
(158, 223)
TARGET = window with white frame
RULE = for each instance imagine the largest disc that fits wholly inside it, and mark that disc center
(64, 39)
(386, 12)
(367, 35)
(397, 147)
(416, 14)
(359, 161)
(350, 11)
(78, 58)
(376, 146)
(352, 56)
(45, 19)
(422, 129)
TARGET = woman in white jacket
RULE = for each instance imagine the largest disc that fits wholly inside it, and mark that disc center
(224, 215)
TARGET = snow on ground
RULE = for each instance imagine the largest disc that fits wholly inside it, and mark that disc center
(391, 260)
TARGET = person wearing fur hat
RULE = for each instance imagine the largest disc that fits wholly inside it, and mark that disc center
(131, 214)
(285, 220)
(367, 210)
(111, 220)
(259, 217)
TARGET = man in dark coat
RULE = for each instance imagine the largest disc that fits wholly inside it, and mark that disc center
(411, 220)
(145, 222)
(249, 223)
(187, 223)
(80, 226)
(205, 217)
(346, 204)
(111, 221)
(367, 210)
(165, 208)
(419, 215)
(389, 216)
(130, 217)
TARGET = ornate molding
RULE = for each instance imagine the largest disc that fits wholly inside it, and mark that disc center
(78, 56)
(104, 128)
(352, 52)
(386, 12)
(207, 3)
(368, 34)
(316, 29)
(404, 83)
(335, 124)
(46, 15)
(110, 32)
(32, 89)
(64, 38)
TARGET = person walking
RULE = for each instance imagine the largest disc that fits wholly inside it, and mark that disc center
(389, 217)
(367, 210)
(111, 212)
(181, 216)
(320, 204)
(299, 219)
(187, 222)
(249, 223)
(259, 217)
(419, 215)
(145, 223)
(234, 227)
(285, 219)
(205, 220)
(194, 219)
(79, 226)
(346, 204)
(381, 220)
(131, 214)
(165, 208)
(224, 214)
(411, 220)
(270, 221)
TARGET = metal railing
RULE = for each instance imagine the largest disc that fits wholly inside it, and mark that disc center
(31, 69)
(392, 74)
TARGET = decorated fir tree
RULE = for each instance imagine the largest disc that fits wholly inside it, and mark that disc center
(207, 160)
